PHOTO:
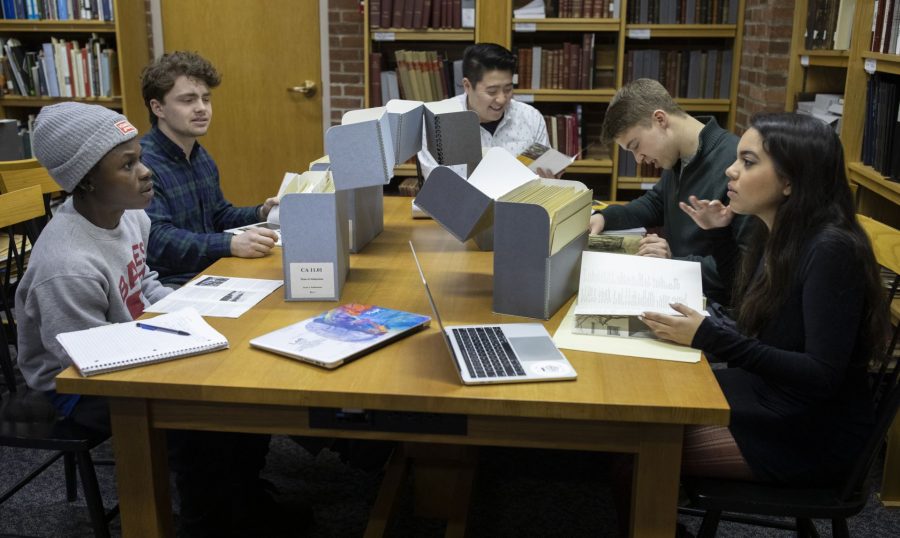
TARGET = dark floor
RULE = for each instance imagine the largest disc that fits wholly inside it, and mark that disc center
(516, 493)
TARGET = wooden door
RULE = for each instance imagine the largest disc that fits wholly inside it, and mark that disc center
(260, 129)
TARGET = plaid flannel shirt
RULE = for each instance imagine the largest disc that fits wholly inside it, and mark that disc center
(188, 211)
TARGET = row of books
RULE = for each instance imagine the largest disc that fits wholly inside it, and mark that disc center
(564, 132)
(421, 75)
(422, 13)
(694, 74)
(573, 67)
(58, 10)
(881, 134)
(628, 167)
(61, 69)
(886, 27)
(682, 12)
(567, 9)
(828, 24)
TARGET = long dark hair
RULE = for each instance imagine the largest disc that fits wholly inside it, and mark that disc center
(808, 153)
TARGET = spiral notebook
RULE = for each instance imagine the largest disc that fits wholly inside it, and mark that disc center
(125, 345)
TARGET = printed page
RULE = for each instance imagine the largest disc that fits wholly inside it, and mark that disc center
(620, 284)
(499, 172)
(217, 296)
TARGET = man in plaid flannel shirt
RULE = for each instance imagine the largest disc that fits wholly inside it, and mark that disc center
(189, 213)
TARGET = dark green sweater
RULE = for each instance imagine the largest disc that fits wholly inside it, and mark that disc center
(703, 177)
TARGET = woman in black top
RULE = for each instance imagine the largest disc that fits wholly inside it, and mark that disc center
(810, 313)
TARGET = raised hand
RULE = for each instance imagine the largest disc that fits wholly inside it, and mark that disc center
(707, 214)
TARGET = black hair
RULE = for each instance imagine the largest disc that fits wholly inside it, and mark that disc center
(807, 153)
(482, 57)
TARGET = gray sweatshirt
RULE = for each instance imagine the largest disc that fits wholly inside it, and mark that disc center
(80, 276)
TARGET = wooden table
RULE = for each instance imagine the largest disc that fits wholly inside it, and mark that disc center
(618, 404)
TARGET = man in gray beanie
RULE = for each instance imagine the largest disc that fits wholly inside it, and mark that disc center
(89, 268)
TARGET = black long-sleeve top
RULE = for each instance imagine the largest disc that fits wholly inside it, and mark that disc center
(800, 403)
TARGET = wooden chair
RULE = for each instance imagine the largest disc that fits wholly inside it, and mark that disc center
(732, 500)
(27, 420)
(16, 175)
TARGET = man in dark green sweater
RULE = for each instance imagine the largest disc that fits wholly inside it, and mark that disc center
(643, 119)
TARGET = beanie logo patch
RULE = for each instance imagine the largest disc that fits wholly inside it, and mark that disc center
(124, 127)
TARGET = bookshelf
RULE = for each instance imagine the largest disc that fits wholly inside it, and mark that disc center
(494, 22)
(126, 33)
(877, 196)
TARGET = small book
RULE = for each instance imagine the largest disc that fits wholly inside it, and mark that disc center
(124, 345)
(341, 334)
(538, 155)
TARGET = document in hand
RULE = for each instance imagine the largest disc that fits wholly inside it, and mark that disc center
(341, 334)
(124, 345)
(624, 285)
(538, 155)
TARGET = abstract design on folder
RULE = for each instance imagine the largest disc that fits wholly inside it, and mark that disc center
(341, 334)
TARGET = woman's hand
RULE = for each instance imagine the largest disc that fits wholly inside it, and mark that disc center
(678, 329)
(706, 214)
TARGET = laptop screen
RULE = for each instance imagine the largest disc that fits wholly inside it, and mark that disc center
(434, 309)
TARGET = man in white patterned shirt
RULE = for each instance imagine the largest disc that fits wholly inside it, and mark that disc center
(488, 80)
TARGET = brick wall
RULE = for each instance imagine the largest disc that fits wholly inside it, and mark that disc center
(764, 59)
(345, 48)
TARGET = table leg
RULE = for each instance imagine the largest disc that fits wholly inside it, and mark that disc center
(654, 498)
(141, 470)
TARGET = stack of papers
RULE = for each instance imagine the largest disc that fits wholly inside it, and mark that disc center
(532, 10)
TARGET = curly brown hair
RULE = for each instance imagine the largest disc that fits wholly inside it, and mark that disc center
(158, 78)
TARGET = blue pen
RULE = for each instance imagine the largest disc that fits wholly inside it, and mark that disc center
(162, 329)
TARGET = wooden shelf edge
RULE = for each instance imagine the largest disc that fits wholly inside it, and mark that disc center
(686, 30)
(704, 105)
(636, 183)
(886, 63)
(424, 34)
(20, 101)
(602, 95)
(24, 25)
(570, 24)
(869, 178)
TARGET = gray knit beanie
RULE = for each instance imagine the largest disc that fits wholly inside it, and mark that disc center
(70, 138)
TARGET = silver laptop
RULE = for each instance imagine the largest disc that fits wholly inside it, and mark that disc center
(503, 353)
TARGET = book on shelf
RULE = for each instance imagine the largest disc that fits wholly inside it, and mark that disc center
(63, 68)
(684, 12)
(615, 289)
(58, 10)
(427, 75)
(570, 67)
(881, 130)
(694, 74)
(628, 167)
(421, 14)
(341, 334)
(886, 27)
(125, 345)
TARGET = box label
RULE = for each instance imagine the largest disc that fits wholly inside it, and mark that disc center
(312, 280)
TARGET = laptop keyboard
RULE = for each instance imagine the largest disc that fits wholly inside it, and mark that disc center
(487, 353)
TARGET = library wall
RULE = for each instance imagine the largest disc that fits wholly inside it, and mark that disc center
(345, 49)
(764, 59)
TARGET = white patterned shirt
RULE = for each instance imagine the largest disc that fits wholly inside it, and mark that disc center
(521, 126)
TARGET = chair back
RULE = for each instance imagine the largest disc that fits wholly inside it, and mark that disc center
(15, 175)
(15, 207)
